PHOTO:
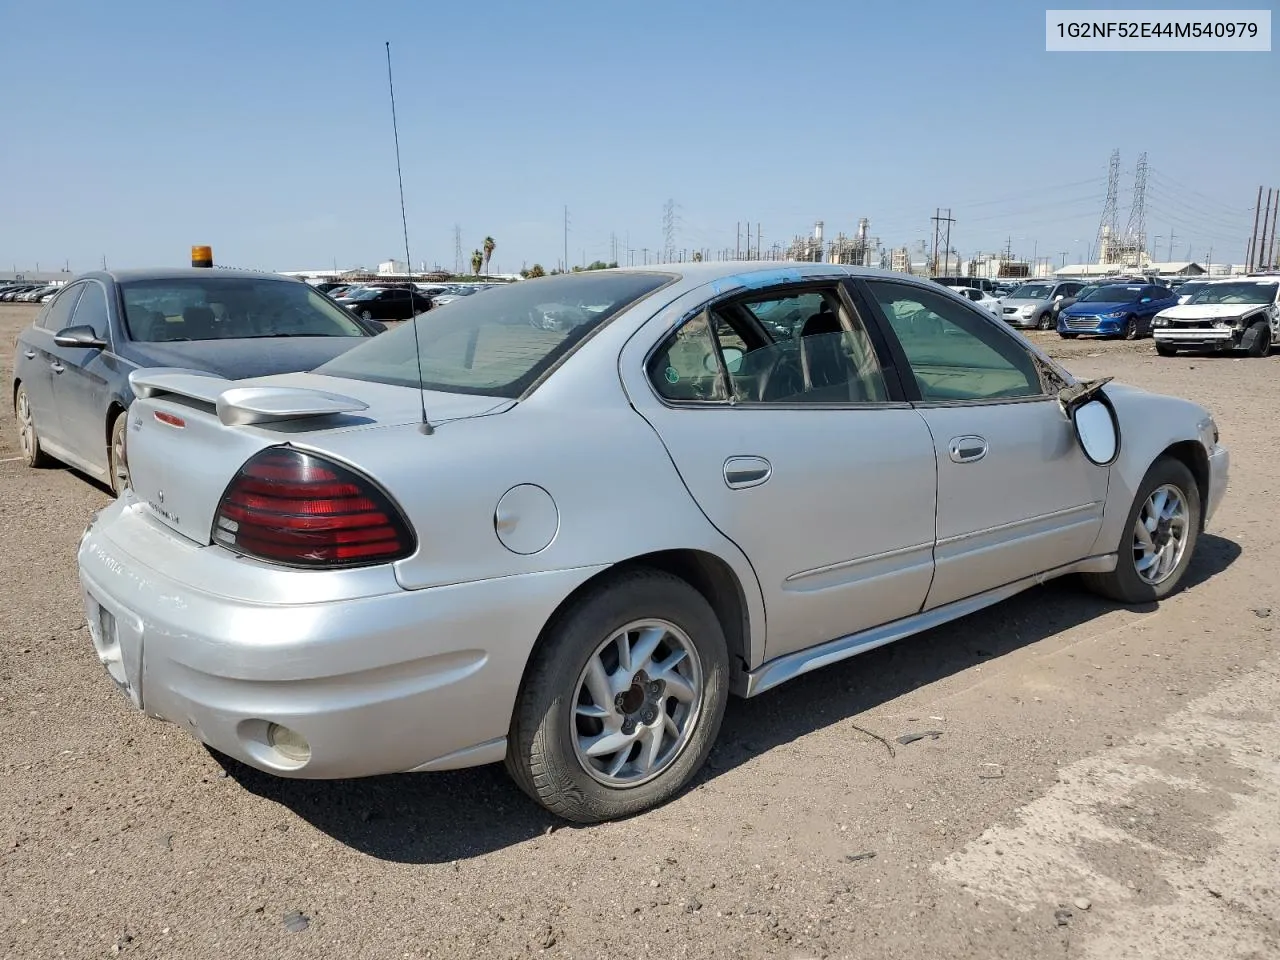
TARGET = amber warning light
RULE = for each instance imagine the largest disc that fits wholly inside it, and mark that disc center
(202, 256)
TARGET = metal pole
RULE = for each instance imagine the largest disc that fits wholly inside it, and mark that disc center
(1257, 209)
(1261, 250)
(1275, 215)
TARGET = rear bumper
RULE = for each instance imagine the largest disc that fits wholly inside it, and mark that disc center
(391, 681)
(1219, 475)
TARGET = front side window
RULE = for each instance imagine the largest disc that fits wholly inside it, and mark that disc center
(230, 308)
(955, 353)
(801, 347)
(91, 311)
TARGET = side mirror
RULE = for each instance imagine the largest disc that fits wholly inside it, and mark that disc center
(1094, 420)
(378, 326)
(80, 336)
(1058, 297)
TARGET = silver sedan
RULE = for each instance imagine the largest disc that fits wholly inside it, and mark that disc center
(557, 525)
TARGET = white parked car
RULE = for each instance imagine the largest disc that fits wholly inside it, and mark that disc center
(558, 524)
(983, 299)
(1242, 313)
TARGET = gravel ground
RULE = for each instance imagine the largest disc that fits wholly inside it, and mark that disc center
(1104, 783)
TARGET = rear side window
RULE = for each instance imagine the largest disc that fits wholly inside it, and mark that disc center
(498, 344)
(58, 316)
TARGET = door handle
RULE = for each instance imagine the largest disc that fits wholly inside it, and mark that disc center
(742, 472)
(967, 449)
(29, 354)
(57, 366)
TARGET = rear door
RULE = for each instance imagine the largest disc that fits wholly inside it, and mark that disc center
(1016, 496)
(40, 356)
(84, 388)
(790, 431)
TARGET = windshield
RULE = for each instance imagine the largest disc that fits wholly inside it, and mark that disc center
(1112, 293)
(500, 344)
(361, 293)
(1031, 291)
(230, 308)
(1235, 293)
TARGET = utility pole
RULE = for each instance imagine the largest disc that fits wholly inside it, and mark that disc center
(1275, 215)
(737, 239)
(1063, 255)
(566, 238)
(1262, 249)
(457, 249)
(759, 248)
(613, 239)
(1253, 237)
(1171, 239)
(645, 251)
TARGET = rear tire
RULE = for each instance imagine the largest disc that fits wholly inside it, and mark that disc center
(558, 719)
(115, 454)
(28, 436)
(1127, 582)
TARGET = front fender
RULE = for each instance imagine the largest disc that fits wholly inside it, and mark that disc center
(1150, 424)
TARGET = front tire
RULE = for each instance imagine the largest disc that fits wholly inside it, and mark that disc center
(1165, 350)
(1159, 539)
(28, 436)
(1262, 344)
(622, 701)
(1045, 322)
(1130, 329)
(1067, 336)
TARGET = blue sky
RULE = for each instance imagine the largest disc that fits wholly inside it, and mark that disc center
(264, 129)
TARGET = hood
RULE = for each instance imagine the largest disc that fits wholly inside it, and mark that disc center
(238, 359)
(1210, 311)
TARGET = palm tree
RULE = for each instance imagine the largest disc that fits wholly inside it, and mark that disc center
(477, 260)
(488, 252)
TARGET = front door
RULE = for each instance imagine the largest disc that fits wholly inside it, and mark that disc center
(1016, 496)
(45, 379)
(84, 394)
(793, 437)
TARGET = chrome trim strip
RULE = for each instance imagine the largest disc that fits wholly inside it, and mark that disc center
(775, 672)
(946, 541)
(857, 561)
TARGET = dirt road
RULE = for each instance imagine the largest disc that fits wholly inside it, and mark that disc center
(1104, 783)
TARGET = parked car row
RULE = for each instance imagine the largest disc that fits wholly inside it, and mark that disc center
(28, 292)
(1239, 313)
(397, 300)
(521, 529)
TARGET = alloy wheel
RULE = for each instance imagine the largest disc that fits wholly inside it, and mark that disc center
(26, 425)
(636, 703)
(1160, 534)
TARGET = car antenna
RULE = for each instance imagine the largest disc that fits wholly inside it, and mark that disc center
(404, 221)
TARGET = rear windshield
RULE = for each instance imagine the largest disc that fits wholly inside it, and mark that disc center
(498, 344)
(230, 308)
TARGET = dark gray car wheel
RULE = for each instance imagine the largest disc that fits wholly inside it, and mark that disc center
(28, 435)
(622, 700)
(366, 314)
(1159, 537)
(1262, 342)
(1046, 321)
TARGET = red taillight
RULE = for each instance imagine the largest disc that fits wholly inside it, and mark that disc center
(296, 508)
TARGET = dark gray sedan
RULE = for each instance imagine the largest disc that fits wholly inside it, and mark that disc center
(72, 365)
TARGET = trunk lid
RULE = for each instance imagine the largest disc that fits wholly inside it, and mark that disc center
(190, 432)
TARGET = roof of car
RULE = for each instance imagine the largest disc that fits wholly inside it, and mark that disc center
(183, 273)
(710, 270)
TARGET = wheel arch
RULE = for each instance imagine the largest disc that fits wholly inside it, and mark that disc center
(1192, 455)
(710, 575)
(114, 409)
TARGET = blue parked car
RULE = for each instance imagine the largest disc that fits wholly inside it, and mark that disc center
(1116, 310)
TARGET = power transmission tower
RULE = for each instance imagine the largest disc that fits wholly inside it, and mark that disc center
(669, 231)
(1136, 231)
(940, 236)
(457, 249)
(1109, 222)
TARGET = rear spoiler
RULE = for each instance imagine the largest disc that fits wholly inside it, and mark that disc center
(240, 405)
